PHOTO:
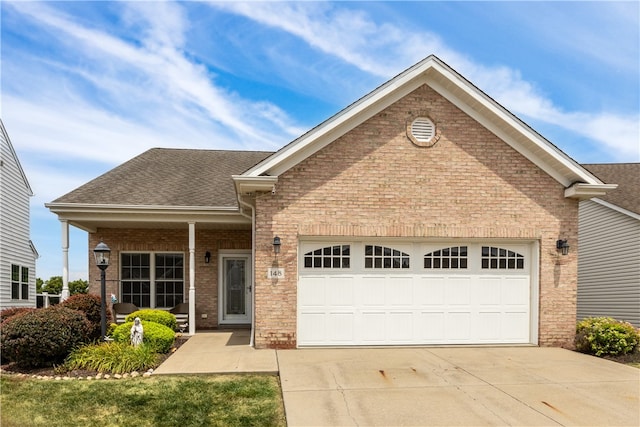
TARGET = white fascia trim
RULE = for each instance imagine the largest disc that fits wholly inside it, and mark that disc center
(427, 72)
(250, 184)
(616, 208)
(33, 249)
(584, 191)
(75, 207)
(513, 123)
(341, 123)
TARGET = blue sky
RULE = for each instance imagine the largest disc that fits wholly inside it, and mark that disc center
(88, 85)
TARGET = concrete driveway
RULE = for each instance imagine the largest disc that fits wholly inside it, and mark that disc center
(456, 386)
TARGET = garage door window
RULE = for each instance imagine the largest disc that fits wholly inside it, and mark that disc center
(501, 259)
(384, 257)
(454, 257)
(338, 256)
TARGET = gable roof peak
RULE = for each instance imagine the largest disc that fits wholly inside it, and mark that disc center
(439, 76)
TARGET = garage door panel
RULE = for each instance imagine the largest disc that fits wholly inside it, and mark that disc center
(372, 291)
(372, 327)
(312, 294)
(458, 290)
(488, 291)
(400, 327)
(394, 306)
(399, 290)
(516, 291)
(430, 291)
(341, 327)
(312, 327)
(432, 326)
(340, 291)
(459, 326)
(487, 326)
(513, 325)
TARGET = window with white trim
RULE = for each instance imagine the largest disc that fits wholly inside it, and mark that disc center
(336, 256)
(385, 257)
(19, 282)
(454, 257)
(494, 258)
(154, 280)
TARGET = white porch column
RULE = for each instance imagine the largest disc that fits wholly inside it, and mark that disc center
(65, 259)
(192, 278)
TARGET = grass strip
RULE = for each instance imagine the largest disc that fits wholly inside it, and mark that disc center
(247, 400)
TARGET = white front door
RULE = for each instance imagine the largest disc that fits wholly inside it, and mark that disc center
(235, 288)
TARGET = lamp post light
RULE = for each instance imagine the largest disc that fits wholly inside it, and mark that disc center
(102, 254)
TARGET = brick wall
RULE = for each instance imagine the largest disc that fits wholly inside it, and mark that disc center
(374, 182)
(167, 240)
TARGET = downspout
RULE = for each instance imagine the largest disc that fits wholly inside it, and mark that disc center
(252, 217)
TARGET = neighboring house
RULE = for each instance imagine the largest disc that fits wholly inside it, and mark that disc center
(17, 253)
(609, 255)
(423, 213)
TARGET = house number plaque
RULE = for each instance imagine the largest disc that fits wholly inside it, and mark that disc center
(275, 273)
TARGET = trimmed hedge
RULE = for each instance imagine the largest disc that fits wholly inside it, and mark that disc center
(605, 336)
(14, 311)
(90, 305)
(153, 315)
(43, 337)
(156, 336)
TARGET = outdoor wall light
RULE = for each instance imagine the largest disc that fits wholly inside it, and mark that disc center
(207, 257)
(276, 245)
(102, 254)
(563, 246)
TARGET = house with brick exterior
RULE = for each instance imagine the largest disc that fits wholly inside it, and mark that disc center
(423, 213)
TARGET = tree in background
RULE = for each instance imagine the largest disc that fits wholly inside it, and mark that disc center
(54, 286)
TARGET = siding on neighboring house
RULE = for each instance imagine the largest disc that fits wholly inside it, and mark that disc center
(15, 246)
(609, 263)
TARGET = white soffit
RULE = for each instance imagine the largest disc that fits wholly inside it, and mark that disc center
(459, 91)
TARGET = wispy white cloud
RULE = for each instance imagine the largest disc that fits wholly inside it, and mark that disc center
(163, 71)
(356, 38)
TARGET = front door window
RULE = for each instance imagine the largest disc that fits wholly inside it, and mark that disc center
(235, 278)
(235, 289)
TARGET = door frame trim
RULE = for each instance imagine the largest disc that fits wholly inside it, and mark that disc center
(233, 253)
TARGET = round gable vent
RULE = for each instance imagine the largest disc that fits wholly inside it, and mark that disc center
(423, 129)
(422, 132)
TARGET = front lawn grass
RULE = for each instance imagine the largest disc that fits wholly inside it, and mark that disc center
(247, 400)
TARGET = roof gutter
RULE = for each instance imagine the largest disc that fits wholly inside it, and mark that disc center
(246, 185)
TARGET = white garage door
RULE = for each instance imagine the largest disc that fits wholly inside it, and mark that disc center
(377, 293)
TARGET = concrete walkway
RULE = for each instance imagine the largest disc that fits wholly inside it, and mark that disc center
(434, 386)
(220, 352)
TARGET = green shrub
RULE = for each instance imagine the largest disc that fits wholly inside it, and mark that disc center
(14, 311)
(114, 357)
(8, 313)
(43, 337)
(90, 305)
(158, 316)
(604, 336)
(156, 336)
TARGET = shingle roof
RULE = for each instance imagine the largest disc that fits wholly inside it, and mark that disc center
(169, 177)
(627, 176)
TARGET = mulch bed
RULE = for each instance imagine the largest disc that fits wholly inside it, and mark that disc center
(78, 373)
(627, 358)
